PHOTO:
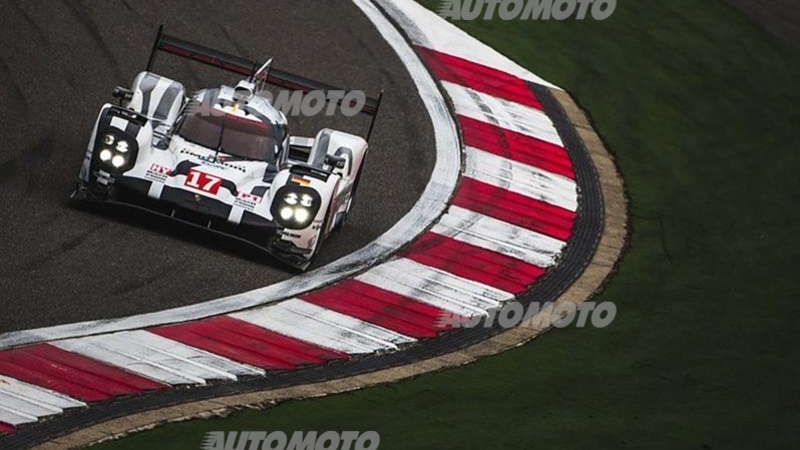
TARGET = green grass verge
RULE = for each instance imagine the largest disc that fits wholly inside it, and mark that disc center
(701, 110)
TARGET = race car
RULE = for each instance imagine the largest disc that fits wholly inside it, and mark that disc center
(222, 158)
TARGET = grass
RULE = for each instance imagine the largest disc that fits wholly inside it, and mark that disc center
(701, 111)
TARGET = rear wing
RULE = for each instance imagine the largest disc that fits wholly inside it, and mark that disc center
(242, 66)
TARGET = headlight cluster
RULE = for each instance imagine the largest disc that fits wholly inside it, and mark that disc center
(115, 152)
(295, 207)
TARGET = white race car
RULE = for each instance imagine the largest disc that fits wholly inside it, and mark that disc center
(222, 158)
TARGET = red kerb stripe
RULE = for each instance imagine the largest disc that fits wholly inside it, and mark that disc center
(473, 263)
(514, 208)
(70, 373)
(479, 77)
(377, 306)
(244, 342)
(516, 146)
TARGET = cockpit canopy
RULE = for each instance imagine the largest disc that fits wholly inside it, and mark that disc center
(234, 133)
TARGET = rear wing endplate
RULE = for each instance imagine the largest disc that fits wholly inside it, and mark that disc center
(245, 67)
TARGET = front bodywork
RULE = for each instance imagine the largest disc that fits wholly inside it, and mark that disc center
(259, 201)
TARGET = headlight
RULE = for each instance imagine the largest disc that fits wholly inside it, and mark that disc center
(287, 213)
(301, 215)
(118, 161)
(116, 150)
(295, 207)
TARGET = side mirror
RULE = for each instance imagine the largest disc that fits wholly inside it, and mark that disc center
(336, 161)
(122, 94)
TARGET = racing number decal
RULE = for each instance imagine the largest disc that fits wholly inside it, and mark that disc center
(203, 181)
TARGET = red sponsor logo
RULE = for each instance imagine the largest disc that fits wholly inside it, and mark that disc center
(249, 197)
(155, 168)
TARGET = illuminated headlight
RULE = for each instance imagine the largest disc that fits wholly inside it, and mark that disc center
(117, 150)
(118, 161)
(301, 215)
(295, 207)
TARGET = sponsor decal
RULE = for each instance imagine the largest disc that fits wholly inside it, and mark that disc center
(246, 201)
(157, 173)
(218, 161)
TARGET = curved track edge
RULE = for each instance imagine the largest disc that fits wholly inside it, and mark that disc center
(602, 265)
(597, 242)
(430, 206)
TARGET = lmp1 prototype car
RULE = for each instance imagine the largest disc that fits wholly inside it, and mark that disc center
(222, 158)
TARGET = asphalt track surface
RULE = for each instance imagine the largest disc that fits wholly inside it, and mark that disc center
(59, 61)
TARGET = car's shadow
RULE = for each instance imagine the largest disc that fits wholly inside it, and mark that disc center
(185, 233)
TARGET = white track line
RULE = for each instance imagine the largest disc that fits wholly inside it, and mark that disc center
(430, 205)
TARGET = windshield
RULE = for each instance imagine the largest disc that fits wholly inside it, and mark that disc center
(232, 135)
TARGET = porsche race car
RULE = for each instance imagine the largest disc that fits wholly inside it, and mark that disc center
(222, 158)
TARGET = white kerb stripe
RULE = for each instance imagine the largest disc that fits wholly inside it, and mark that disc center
(323, 327)
(37, 394)
(498, 236)
(521, 178)
(12, 417)
(23, 403)
(503, 113)
(25, 407)
(157, 357)
(435, 287)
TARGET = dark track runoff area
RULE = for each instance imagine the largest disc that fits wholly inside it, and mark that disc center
(59, 61)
